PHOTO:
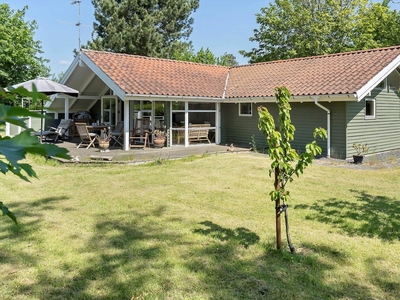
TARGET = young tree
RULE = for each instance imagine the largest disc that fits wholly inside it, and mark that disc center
(299, 28)
(19, 52)
(14, 149)
(143, 27)
(286, 162)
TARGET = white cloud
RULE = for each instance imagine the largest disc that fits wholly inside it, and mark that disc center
(64, 62)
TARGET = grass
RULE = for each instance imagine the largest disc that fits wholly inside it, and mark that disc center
(198, 228)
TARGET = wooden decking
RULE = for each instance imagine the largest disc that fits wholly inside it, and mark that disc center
(137, 155)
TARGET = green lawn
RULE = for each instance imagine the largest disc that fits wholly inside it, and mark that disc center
(198, 228)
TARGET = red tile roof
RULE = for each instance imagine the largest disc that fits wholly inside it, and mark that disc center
(153, 76)
(343, 73)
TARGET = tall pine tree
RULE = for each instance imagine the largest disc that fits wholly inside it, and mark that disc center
(154, 28)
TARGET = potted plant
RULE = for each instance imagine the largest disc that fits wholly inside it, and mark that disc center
(361, 149)
(104, 141)
(159, 137)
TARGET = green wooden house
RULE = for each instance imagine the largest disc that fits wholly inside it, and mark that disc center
(354, 95)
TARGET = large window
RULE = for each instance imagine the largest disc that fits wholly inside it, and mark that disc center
(245, 109)
(370, 108)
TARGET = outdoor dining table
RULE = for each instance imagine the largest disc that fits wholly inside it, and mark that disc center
(99, 128)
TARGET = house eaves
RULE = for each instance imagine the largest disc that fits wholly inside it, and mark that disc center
(293, 99)
(370, 85)
(169, 98)
(103, 76)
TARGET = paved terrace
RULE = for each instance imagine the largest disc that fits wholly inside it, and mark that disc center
(138, 155)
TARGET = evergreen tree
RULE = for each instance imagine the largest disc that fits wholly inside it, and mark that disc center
(19, 52)
(154, 28)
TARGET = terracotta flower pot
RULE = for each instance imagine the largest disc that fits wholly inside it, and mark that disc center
(158, 143)
(104, 144)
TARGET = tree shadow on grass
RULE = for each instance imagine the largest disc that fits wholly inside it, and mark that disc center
(228, 273)
(126, 256)
(28, 216)
(134, 255)
(369, 215)
(241, 235)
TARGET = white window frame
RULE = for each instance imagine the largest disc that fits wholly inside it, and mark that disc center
(373, 116)
(246, 114)
(386, 86)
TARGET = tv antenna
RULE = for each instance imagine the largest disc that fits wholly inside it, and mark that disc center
(79, 22)
(79, 26)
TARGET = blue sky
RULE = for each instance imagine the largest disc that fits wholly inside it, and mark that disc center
(221, 25)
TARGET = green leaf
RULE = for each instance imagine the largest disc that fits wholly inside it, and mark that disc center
(8, 213)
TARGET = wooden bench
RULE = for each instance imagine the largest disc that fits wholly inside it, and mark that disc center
(197, 133)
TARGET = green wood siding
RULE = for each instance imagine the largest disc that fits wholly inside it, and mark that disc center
(338, 128)
(306, 117)
(239, 130)
(383, 132)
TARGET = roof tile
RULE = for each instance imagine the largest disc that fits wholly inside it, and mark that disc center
(342, 73)
(153, 76)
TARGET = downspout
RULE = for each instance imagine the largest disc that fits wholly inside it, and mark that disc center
(328, 122)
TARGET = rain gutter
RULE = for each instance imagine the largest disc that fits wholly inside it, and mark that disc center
(328, 122)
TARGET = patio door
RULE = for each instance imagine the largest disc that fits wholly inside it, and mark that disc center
(186, 117)
(109, 110)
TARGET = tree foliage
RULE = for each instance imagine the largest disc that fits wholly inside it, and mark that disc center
(144, 27)
(286, 162)
(19, 52)
(299, 28)
(14, 149)
(204, 56)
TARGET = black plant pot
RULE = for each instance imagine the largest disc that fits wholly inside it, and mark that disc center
(358, 159)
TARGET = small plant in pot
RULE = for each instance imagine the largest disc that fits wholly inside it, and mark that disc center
(104, 141)
(159, 137)
(361, 149)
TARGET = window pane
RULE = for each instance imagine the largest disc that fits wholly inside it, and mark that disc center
(370, 108)
(245, 109)
(201, 106)
(178, 106)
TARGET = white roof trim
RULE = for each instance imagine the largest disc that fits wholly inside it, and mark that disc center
(72, 67)
(169, 98)
(107, 80)
(366, 89)
(300, 99)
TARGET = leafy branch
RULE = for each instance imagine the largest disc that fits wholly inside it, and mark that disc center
(14, 149)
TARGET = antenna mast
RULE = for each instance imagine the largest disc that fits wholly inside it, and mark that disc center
(79, 22)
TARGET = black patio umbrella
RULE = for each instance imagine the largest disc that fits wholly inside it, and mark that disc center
(47, 87)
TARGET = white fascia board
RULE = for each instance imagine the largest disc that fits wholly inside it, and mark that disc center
(170, 98)
(299, 99)
(71, 68)
(366, 89)
(107, 80)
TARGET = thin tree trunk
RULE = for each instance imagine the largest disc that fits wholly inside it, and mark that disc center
(278, 212)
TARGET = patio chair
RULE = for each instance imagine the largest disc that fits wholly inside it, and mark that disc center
(117, 134)
(87, 138)
(55, 134)
(140, 134)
